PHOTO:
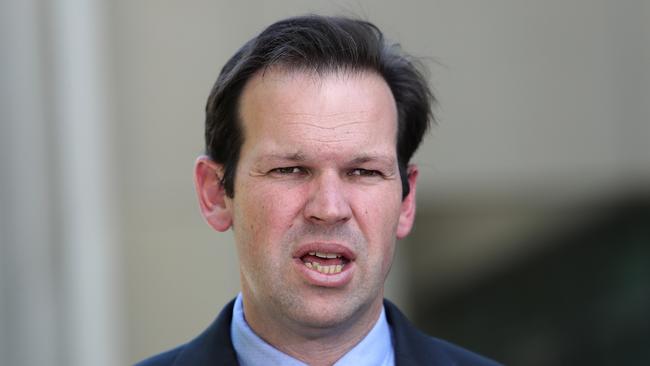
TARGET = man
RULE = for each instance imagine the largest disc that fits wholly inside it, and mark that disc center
(309, 131)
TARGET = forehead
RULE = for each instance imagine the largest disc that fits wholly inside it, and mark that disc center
(296, 110)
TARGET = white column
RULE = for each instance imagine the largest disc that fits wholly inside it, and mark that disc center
(28, 283)
(87, 183)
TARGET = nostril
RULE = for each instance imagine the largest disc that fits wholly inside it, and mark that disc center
(328, 203)
(329, 217)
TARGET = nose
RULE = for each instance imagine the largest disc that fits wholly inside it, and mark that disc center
(327, 204)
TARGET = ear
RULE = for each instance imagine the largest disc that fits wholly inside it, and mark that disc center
(216, 207)
(407, 214)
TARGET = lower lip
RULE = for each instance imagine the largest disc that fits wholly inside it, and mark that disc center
(326, 280)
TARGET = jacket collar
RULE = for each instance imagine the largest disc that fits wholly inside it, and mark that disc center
(412, 347)
(213, 346)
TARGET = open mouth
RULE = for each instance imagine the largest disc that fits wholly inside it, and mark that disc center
(326, 263)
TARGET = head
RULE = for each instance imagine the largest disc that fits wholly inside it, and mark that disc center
(321, 45)
(310, 129)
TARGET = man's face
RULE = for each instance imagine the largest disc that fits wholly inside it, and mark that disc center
(317, 205)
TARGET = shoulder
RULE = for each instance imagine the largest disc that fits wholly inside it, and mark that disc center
(412, 347)
(163, 359)
(212, 347)
(459, 355)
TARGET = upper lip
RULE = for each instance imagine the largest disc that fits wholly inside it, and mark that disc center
(324, 247)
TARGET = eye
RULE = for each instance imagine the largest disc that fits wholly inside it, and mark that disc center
(364, 173)
(287, 170)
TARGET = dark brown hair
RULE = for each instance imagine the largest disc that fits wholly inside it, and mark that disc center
(319, 44)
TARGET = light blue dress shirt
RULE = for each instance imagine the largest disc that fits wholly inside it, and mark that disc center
(375, 349)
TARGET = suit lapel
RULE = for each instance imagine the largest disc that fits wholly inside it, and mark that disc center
(413, 347)
(213, 346)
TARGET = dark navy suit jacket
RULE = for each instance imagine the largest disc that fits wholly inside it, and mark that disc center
(412, 347)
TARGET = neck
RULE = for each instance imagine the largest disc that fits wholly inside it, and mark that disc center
(313, 345)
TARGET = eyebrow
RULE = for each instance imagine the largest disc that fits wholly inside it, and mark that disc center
(300, 157)
(297, 157)
(370, 158)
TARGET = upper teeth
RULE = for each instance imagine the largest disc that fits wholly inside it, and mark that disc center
(325, 255)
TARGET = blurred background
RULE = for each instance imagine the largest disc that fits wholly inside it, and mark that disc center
(532, 242)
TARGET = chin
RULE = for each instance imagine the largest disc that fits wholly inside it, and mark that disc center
(328, 313)
(330, 319)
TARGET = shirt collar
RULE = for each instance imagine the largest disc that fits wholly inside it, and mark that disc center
(375, 348)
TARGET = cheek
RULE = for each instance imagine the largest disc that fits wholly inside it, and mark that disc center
(378, 219)
(378, 211)
(267, 212)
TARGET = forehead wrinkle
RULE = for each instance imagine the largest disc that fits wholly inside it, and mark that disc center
(331, 128)
(317, 119)
(328, 137)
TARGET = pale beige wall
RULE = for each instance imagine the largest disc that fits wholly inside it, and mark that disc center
(545, 94)
(101, 243)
